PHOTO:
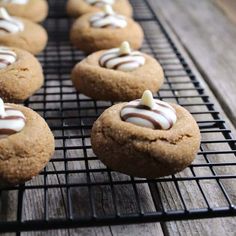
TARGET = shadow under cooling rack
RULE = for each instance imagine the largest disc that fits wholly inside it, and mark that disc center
(76, 189)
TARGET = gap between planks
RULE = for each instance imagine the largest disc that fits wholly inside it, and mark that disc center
(209, 37)
(222, 226)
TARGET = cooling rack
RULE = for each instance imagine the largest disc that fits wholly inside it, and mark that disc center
(76, 189)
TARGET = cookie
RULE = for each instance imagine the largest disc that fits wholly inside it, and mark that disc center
(76, 8)
(104, 30)
(118, 74)
(21, 33)
(146, 138)
(34, 10)
(20, 74)
(26, 144)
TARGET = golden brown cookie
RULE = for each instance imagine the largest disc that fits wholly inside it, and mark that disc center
(20, 74)
(142, 151)
(101, 83)
(91, 38)
(34, 10)
(21, 33)
(25, 153)
(76, 8)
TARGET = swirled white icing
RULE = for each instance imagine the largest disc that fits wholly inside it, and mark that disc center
(11, 120)
(9, 24)
(100, 3)
(123, 58)
(108, 18)
(20, 2)
(159, 115)
(7, 57)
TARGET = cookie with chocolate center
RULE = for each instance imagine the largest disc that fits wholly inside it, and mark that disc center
(118, 74)
(34, 10)
(21, 74)
(26, 144)
(21, 33)
(144, 138)
(76, 8)
(104, 30)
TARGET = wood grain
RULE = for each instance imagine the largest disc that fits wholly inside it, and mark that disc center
(229, 7)
(209, 37)
(169, 193)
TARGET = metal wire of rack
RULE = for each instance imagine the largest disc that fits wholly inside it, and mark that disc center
(75, 177)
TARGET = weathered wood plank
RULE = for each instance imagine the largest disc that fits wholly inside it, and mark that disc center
(209, 37)
(229, 7)
(190, 190)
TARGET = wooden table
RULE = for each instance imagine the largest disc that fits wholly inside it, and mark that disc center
(206, 30)
(205, 33)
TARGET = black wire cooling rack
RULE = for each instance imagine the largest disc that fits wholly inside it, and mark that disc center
(76, 189)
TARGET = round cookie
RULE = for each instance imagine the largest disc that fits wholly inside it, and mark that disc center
(144, 151)
(34, 10)
(76, 8)
(20, 74)
(104, 30)
(26, 144)
(21, 33)
(124, 83)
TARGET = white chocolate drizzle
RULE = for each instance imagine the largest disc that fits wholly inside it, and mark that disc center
(7, 57)
(9, 24)
(108, 19)
(122, 59)
(20, 2)
(100, 3)
(11, 120)
(150, 113)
